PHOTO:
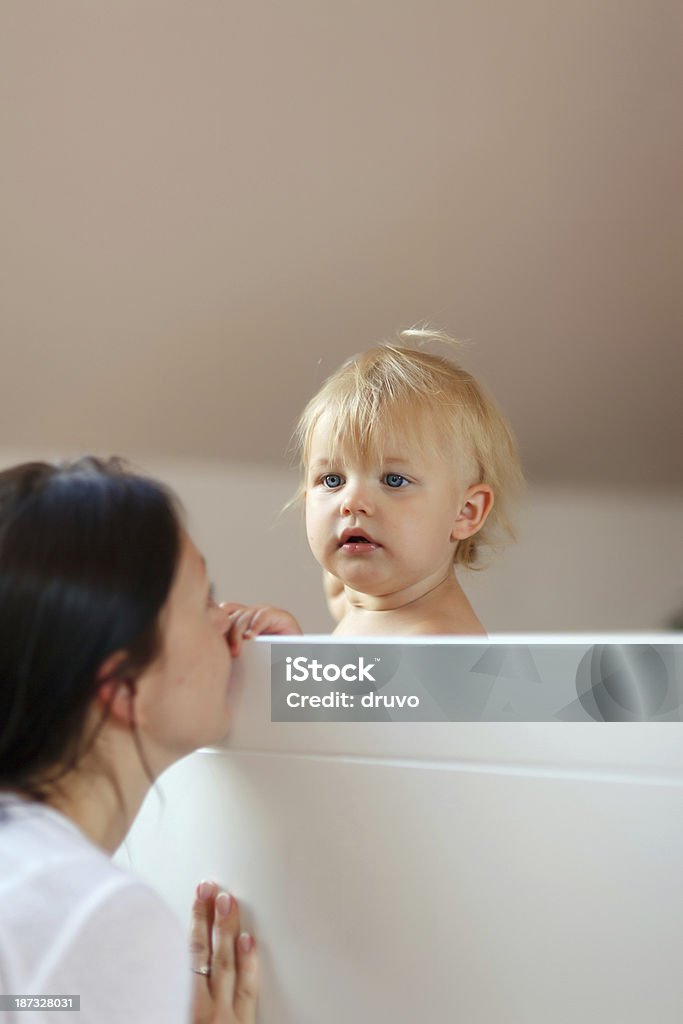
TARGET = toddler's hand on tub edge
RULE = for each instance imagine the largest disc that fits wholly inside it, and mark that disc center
(257, 620)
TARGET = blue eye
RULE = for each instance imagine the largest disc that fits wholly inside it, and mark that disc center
(332, 480)
(395, 480)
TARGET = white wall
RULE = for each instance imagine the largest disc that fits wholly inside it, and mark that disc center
(586, 560)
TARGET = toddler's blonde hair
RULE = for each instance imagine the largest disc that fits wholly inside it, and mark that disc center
(375, 392)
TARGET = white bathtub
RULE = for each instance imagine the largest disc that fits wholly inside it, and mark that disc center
(483, 873)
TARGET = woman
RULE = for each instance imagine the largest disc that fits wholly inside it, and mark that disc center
(114, 663)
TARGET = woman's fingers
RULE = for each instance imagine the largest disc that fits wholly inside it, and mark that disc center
(202, 925)
(227, 993)
(224, 964)
(201, 949)
(234, 978)
(246, 985)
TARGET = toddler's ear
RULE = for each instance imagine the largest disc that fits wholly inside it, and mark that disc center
(477, 503)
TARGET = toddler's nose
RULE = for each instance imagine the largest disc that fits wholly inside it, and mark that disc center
(356, 499)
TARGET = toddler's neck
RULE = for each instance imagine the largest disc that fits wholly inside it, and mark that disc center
(438, 607)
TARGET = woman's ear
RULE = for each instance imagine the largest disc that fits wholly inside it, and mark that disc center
(116, 688)
(474, 511)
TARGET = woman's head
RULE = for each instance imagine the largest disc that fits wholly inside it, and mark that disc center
(88, 556)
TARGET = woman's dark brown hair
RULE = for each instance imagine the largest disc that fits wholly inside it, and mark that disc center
(88, 553)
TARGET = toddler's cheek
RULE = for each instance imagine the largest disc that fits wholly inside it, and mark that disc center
(314, 536)
(319, 551)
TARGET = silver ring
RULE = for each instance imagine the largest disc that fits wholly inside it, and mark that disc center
(206, 970)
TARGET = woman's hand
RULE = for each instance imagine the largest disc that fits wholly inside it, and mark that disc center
(223, 959)
(256, 620)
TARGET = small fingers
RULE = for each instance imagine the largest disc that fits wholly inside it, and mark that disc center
(238, 630)
(231, 606)
(258, 622)
(269, 620)
(247, 622)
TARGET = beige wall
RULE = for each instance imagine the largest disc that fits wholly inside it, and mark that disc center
(587, 559)
(207, 206)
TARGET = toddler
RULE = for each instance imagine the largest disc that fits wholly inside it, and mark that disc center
(409, 469)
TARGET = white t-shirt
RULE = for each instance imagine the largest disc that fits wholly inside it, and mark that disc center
(73, 923)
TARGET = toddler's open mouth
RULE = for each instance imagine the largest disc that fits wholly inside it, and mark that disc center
(357, 542)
